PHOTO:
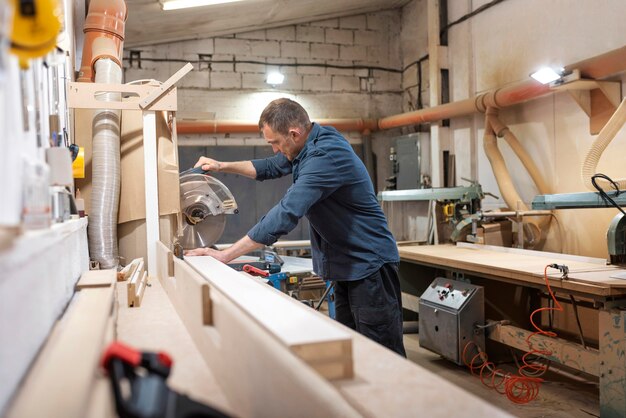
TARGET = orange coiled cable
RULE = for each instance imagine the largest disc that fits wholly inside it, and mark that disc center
(519, 389)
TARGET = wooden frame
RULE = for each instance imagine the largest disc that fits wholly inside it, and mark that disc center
(148, 98)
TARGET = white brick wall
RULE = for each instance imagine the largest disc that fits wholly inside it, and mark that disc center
(225, 80)
(286, 33)
(328, 23)
(265, 48)
(238, 90)
(366, 37)
(253, 81)
(324, 51)
(352, 52)
(309, 34)
(295, 49)
(232, 46)
(339, 36)
(256, 34)
(343, 83)
(353, 22)
(317, 83)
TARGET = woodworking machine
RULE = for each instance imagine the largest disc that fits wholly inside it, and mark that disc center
(204, 202)
(616, 233)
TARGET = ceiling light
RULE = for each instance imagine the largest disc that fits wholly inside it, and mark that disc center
(183, 4)
(275, 78)
(546, 75)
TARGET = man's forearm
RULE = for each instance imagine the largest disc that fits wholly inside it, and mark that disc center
(243, 168)
(241, 247)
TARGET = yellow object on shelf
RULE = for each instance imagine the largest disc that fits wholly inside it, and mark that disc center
(78, 165)
(36, 25)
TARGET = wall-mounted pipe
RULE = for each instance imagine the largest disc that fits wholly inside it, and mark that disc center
(603, 140)
(493, 126)
(104, 35)
(501, 130)
(101, 62)
(243, 126)
(598, 67)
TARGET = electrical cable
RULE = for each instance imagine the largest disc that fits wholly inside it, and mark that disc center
(286, 64)
(467, 16)
(605, 197)
(523, 387)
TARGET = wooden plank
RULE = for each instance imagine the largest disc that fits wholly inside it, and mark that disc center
(410, 302)
(164, 88)
(194, 294)
(165, 262)
(83, 96)
(151, 189)
(158, 327)
(71, 356)
(136, 288)
(584, 277)
(612, 325)
(273, 311)
(96, 278)
(564, 352)
(252, 365)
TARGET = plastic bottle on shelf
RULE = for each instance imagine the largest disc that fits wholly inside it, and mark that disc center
(36, 196)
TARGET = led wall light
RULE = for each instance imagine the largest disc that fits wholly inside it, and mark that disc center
(275, 78)
(546, 75)
(184, 4)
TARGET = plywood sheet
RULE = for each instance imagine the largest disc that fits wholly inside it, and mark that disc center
(584, 275)
(71, 356)
(96, 278)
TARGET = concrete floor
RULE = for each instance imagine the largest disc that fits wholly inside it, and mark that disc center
(560, 396)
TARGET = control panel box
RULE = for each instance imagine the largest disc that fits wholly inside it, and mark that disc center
(449, 311)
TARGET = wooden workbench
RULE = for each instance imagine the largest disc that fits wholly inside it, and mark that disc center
(587, 276)
(230, 360)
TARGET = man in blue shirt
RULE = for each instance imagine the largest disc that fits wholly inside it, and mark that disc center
(350, 241)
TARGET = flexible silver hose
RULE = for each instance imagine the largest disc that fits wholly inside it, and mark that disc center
(105, 194)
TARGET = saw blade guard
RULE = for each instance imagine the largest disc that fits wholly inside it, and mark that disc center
(204, 202)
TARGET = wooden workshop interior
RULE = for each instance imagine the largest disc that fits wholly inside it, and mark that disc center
(493, 135)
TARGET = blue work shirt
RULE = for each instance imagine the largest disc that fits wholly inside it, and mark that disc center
(350, 239)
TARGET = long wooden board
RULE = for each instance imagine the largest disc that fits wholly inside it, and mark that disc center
(326, 347)
(584, 276)
(71, 356)
(260, 375)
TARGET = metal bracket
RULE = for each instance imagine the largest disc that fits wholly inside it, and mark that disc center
(598, 99)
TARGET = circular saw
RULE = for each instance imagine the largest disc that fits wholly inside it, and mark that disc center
(204, 202)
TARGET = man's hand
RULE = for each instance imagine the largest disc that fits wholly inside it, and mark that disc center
(208, 164)
(216, 254)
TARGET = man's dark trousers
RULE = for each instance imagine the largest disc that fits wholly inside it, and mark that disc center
(373, 306)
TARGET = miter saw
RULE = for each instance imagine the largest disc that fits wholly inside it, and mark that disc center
(204, 201)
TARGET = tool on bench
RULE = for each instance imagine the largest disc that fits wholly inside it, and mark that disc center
(204, 202)
(271, 268)
(275, 277)
(138, 381)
